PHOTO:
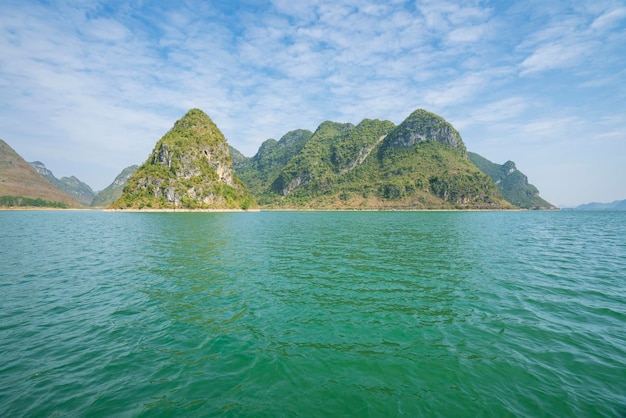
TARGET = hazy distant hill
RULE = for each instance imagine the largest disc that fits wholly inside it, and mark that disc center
(70, 185)
(422, 163)
(616, 205)
(189, 167)
(114, 190)
(512, 183)
(18, 178)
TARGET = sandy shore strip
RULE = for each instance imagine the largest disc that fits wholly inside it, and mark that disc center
(182, 210)
(256, 210)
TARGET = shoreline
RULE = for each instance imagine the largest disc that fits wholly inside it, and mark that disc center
(257, 210)
(181, 210)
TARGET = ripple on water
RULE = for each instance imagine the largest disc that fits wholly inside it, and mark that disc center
(343, 314)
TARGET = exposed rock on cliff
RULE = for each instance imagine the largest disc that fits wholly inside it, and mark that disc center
(423, 126)
(70, 185)
(190, 167)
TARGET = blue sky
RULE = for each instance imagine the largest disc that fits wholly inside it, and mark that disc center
(89, 87)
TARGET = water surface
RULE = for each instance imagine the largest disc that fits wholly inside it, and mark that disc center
(313, 314)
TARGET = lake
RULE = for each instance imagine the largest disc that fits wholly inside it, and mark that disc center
(312, 314)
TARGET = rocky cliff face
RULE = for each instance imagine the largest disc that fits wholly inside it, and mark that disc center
(190, 167)
(43, 170)
(423, 126)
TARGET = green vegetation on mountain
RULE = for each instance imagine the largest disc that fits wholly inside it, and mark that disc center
(312, 164)
(333, 151)
(422, 163)
(190, 167)
(21, 181)
(114, 190)
(70, 185)
(513, 184)
(239, 160)
(21, 201)
(262, 169)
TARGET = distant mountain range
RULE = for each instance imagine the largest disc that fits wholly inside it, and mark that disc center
(70, 185)
(616, 205)
(420, 164)
(33, 184)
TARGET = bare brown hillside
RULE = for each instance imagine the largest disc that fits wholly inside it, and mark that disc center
(18, 178)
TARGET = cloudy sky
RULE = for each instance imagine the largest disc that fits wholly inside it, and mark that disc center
(88, 87)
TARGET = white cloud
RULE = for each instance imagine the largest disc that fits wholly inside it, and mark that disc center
(299, 9)
(460, 89)
(609, 19)
(467, 34)
(107, 30)
(570, 42)
(556, 55)
(442, 15)
(540, 130)
(501, 110)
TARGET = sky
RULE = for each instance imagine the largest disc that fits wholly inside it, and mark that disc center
(89, 87)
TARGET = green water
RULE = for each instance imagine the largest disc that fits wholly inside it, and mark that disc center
(313, 314)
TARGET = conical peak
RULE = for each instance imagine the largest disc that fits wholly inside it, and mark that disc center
(195, 119)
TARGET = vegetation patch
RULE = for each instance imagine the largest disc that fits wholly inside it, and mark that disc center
(20, 201)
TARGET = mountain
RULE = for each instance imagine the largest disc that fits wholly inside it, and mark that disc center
(422, 163)
(616, 205)
(259, 171)
(19, 180)
(114, 190)
(513, 184)
(190, 167)
(70, 185)
(239, 160)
